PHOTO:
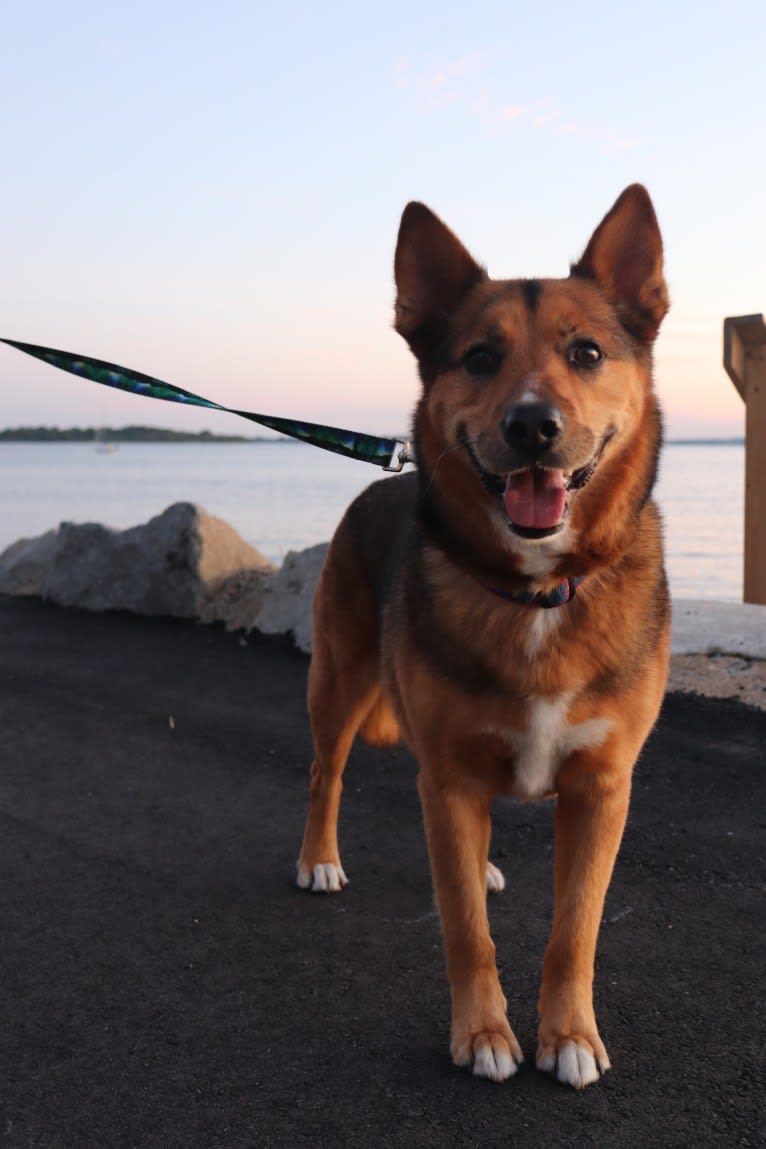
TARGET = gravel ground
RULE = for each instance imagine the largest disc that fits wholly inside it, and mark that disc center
(720, 676)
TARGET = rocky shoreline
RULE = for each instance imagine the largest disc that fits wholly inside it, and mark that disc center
(186, 563)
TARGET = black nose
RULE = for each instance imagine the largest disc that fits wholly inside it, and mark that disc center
(532, 427)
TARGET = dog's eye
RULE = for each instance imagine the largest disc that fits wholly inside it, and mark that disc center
(585, 353)
(481, 360)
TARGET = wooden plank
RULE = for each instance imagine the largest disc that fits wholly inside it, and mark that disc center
(734, 355)
(755, 476)
(744, 357)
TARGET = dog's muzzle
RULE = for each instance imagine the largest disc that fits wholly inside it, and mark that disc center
(535, 495)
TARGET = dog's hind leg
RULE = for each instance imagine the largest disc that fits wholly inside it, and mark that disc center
(337, 712)
(345, 693)
(345, 697)
(495, 879)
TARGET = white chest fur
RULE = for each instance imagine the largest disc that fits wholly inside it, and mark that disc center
(547, 741)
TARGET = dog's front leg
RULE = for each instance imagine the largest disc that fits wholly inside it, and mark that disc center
(590, 818)
(457, 823)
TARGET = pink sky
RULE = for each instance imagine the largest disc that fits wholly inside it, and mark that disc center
(212, 195)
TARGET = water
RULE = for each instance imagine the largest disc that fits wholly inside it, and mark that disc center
(279, 496)
(286, 496)
(701, 491)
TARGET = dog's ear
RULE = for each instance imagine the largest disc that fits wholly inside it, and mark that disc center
(624, 256)
(433, 273)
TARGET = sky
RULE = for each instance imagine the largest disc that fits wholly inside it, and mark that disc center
(210, 193)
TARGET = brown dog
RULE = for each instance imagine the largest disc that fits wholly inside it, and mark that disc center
(537, 437)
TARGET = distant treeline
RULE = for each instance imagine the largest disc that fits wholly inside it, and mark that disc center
(112, 435)
(736, 442)
(141, 434)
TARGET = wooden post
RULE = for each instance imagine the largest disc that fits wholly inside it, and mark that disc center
(744, 357)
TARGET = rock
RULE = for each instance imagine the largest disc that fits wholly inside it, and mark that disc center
(707, 627)
(185, 563)
(236, 600)
(167, 566)
(289, 595)
(25, 564)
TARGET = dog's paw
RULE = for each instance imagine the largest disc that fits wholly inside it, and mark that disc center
(496, 1056)
(495, 879)
(573, 1063)
(326, 878)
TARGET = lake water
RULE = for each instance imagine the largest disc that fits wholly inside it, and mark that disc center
(286, 496)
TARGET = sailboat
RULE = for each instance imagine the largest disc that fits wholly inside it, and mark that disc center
(105, 446)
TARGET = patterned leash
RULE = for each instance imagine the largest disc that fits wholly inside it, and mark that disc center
(390, 454)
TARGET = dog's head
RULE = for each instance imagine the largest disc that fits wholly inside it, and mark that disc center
(537, 393)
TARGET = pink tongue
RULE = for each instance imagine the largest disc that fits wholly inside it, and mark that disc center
(535, 498)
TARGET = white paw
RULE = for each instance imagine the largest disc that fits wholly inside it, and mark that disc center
(574, 1065)
(492, 1058)
(495, 879)
(327, 878)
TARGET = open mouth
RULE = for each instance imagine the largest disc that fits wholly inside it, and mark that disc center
(536, 499)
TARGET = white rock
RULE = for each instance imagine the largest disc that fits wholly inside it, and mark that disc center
(289, 594)
(235, 600)
(167, 566)
(24, 565)
(702, 626)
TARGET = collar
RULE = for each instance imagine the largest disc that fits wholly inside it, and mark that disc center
(561, 594)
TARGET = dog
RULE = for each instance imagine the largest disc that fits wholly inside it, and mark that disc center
(504, 609)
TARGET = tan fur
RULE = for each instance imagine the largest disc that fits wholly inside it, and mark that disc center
(415, 631)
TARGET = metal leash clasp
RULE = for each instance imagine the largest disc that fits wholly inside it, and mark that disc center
(401, 454)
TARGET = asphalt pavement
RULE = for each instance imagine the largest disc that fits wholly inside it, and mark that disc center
(164, 984)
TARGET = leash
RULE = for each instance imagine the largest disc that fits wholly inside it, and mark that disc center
(390, 454)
